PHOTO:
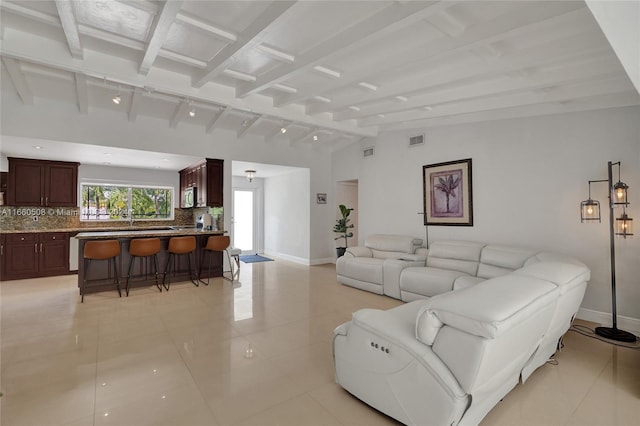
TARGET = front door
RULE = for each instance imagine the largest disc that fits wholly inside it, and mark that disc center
(243, 220)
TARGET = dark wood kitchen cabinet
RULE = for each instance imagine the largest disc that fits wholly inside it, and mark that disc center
(207, 177)
(31, 255)
(2, 253)
(42, 183)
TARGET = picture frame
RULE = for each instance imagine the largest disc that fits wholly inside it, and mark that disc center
(448, 193)
(321, 198)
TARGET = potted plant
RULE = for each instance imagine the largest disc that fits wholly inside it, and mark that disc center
(342, 227)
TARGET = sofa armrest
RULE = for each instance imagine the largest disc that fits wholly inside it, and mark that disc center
(392, 269)
(359, 251)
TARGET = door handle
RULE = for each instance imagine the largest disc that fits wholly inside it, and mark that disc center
(35, 248)
(40, 247)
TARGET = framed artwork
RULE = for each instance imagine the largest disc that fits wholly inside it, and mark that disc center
(447, 193)
(321, 198)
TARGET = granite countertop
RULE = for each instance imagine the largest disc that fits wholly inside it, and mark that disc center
(133, 232)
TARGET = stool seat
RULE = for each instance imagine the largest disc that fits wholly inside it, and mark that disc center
(144, 247)
(181, 246)
(107, 250)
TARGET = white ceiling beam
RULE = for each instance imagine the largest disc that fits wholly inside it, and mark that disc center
(447, 24)
(159, 30)
(82, 95)
(26, 12)
(247, 125)
(595, 87)
(202, 25)
(496, 30)
(70, 27)
(136, 99)
(179, 113)
(216, 117)
(382, 23)
(464, 83)
(18, 79)
(248, 39)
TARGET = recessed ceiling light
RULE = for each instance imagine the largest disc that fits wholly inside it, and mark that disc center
(402, 98)
(37, 147)
(283, 129)
(315, 137)
(322, 99)
(355, 108)
(192, 113)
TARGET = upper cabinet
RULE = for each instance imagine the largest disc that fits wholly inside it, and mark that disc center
(42, 183)
(207, 177)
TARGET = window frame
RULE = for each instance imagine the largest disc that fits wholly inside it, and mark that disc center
(130, 187)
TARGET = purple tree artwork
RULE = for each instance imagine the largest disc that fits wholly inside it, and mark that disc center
(446, 194)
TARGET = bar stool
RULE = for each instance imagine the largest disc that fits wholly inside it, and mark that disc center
(107, 250)
(144, 247)
(180, 246)
(217, 243)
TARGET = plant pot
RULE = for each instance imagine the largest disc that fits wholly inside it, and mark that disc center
(340, 251)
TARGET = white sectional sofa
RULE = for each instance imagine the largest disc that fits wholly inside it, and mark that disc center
(479, 319)
(449, 359)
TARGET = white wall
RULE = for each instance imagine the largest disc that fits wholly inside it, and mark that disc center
(529, 177)
(287, 215)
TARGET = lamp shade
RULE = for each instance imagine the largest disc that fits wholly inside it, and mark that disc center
(619, 194)
(624, 226)
(589, 211)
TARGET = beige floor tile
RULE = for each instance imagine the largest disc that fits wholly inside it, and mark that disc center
(181, 357)
(299, 411)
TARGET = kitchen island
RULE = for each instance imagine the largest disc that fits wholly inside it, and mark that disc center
(101, 277)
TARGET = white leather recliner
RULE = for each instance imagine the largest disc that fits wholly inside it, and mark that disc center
(378, 262)
(449, 359)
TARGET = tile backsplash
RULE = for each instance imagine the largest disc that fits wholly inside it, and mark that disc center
(45, 218)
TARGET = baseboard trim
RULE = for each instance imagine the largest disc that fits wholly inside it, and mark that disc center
(604, 318)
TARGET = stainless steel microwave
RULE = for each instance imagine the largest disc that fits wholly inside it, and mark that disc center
(189, 197)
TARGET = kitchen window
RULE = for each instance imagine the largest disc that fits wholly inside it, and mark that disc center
(125, 202)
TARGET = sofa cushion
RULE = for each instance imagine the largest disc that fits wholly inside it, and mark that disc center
(482, 309)
(428, 281)
(392, 243)
(564, 275)
(462, 256)
(466, 281)
(496, 260)
(368, 269)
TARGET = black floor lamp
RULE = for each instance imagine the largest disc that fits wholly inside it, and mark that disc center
(623, 227)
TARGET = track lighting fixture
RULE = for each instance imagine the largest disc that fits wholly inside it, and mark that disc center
(283, 130)
(192, 111)
(315, 137)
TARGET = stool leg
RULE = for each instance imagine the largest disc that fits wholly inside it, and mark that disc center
(87, 262)
(131, 263)
(230, 267)
(115, 271)
(202, 263)
(155, 264)
(192, 268)
(166, 283)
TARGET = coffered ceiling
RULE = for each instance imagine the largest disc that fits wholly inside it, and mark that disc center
(335, 70)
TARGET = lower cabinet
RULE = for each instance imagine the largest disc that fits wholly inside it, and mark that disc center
(32, 255)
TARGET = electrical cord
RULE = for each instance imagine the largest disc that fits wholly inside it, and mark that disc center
(590, 332)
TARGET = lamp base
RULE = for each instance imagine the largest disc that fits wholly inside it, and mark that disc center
(616, 334)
